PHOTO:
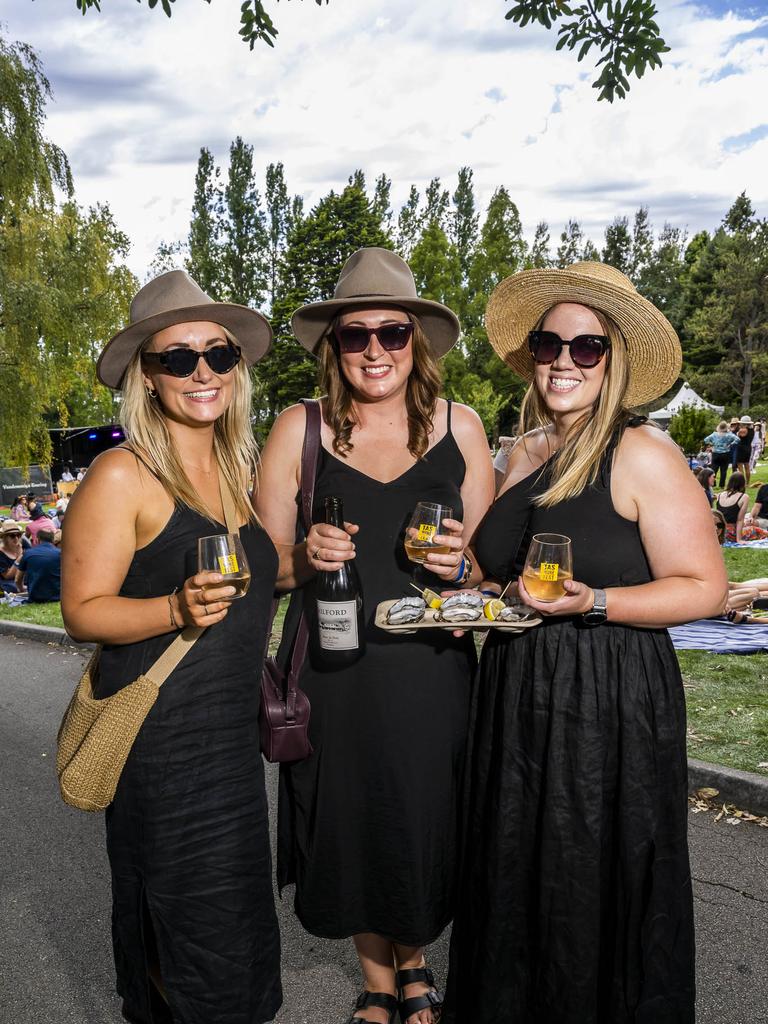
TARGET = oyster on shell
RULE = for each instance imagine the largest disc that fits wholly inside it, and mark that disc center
(513, 613)
(407, 609)
(462, 607)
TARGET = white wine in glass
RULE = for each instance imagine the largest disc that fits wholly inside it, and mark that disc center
(548, 564)
(425, 523)
(223, 552)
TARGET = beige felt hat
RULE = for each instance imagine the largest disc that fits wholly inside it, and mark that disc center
(519, 302)
(9, 526)
(174, 298)
(380, 278)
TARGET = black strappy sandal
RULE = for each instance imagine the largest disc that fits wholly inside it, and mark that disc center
(382, 999)
(431, 1000)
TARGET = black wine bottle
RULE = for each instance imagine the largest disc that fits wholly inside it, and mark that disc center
(340, 621)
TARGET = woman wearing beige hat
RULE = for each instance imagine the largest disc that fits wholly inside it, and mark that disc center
(369, 821)
(194, 927)
(576, 903)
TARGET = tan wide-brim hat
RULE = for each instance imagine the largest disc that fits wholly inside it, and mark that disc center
(9, 526)
(376, 278)
(174, 298)
(519, 302)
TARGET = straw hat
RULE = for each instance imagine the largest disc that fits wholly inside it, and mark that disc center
(747, 421)
(519, 302)
(9, 526)
(174, 298)
(377, 278)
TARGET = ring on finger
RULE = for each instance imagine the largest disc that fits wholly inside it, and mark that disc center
(315, 553)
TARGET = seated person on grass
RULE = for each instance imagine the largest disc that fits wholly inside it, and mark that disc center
(40, 570)
(10, 552)
(759, 514)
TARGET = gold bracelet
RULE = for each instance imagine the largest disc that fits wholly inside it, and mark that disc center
(174, 624)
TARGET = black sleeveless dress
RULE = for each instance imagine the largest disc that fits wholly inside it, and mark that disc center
(187, 833)
(575, 898)
(368, 825)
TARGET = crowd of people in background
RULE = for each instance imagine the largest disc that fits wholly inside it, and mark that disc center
(29, 550)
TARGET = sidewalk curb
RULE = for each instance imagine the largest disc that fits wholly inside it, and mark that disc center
(44, 634)
(747, 790)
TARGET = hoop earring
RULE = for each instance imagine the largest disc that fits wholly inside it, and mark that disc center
(151, 392)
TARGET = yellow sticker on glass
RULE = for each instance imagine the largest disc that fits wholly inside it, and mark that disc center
(228, 564)
(426, 532)
(549, 571)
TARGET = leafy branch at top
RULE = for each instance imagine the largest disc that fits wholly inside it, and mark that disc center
(255, 24)
(626, 34)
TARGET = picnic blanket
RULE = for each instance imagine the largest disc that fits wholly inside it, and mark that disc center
(747, 544)
(720, 637)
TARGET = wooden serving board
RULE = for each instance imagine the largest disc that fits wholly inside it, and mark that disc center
(428, 622)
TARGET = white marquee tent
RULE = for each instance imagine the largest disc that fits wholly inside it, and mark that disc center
(686, 396)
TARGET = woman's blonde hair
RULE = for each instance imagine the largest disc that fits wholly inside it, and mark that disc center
(146, 430)
(576, 464)
(424, 383)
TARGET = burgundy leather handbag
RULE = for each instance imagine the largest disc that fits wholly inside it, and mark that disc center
(284, 714)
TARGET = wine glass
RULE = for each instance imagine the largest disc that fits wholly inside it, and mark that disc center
(426, 521)
(548, 564)
(223, 552)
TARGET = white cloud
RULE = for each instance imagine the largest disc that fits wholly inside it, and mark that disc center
(421, 92)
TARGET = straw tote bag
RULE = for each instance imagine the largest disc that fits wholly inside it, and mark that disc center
(96, 736)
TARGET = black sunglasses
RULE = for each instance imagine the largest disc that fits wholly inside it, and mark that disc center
(356, 338)
(182, 362)
(586, 349)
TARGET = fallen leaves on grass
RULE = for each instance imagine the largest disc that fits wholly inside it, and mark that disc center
(704, 800)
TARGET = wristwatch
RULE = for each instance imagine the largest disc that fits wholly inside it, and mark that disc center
(468, 566)
(597, 614)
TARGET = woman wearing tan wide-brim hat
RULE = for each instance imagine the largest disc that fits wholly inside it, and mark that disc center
(576, 900)
(371, 817)
(194, 926)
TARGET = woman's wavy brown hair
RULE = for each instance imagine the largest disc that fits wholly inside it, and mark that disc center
(424, 385)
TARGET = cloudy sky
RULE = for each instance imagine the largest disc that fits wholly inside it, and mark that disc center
(413, 89)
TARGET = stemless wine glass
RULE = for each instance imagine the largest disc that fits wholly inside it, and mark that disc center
(426, 521)
(548, 564)
(223, 552)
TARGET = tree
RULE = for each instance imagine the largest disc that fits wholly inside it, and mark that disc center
(436, 267)
(571, 241)
(382, 202)
(204, 262)
(689, 426)
(590, 251)
(539, 254)
(318, 245)
(617, 251)
(660, 280)
(642, 245)
(409, 223)
(437, 200)
(627, 35)
(245, 246)
(464, 220)
(278, 220)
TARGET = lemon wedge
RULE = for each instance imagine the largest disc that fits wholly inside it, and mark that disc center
(493, 608)
(433, 600)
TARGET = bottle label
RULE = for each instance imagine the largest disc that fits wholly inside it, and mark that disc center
(426, 532)
(337, 621)
(549, 571)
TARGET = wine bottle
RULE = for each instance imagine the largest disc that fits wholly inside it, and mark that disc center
(341, 625)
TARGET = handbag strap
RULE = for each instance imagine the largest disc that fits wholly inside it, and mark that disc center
(186, 640)
(310, 453)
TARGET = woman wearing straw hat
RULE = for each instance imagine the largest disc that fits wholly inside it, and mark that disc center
(743, 456)
(187, 832)
(369, 821)
(576, 903)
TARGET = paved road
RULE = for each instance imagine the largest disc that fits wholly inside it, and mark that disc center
(55, 965)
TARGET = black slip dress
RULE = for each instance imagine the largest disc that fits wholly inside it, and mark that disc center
(575, 897)
(187, 833)
(368, 824)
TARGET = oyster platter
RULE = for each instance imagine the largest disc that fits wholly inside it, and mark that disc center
(459, 609)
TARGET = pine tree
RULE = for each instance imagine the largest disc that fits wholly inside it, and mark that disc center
(571, 243)
(436, 267)
(660, 281)
(246, 245)
(617, 251)
(409, 223)
(642, 245)
(382, 202)
(590, 251)
(464, 220)
(278, 216)
(205, 256)
(539, 254)
(437, 200)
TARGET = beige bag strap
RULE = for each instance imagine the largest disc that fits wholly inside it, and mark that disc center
(184, 642)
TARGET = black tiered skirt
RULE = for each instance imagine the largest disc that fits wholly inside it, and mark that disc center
(575, 899)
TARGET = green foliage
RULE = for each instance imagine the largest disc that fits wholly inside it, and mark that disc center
(571, 242)
(617, 250)
(205, 256)
(244, 250)
(689, 426)
(539, 254)
(626, 35)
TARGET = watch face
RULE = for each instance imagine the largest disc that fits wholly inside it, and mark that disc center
(595, 617)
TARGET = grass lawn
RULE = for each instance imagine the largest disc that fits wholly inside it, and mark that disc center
(41, 614)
